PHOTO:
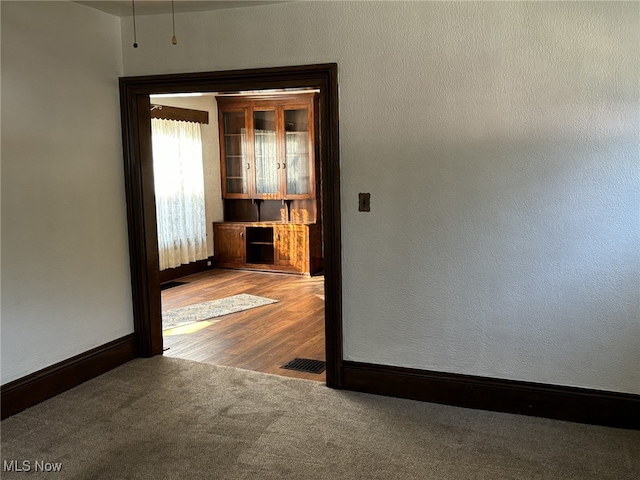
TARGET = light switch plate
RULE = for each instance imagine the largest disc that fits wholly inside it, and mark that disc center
(364, 202)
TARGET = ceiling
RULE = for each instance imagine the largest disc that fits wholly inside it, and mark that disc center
(123, 8)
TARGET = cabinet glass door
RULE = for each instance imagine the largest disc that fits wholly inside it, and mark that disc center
(235, 157)
(297, 164)
(267, 166)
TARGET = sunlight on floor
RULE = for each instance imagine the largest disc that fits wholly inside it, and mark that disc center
(189, 328)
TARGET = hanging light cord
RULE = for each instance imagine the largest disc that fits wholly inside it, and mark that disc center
(174, 40)
(133, 7)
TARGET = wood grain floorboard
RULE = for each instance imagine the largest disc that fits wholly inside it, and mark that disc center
(261, 339)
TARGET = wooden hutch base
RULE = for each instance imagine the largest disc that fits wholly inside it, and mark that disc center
(269, 246)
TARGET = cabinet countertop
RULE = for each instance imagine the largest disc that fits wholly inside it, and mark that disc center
(262, 224)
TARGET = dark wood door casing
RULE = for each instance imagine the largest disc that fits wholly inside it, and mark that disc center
(141, 219)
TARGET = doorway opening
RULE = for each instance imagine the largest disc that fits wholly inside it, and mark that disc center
(144, 251)
(237, 202)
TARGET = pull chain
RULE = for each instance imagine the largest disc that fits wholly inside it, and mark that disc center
(133, 7)
(174, 40)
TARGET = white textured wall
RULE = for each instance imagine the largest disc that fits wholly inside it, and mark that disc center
(210, 156)
(65, 269)
(499, 142)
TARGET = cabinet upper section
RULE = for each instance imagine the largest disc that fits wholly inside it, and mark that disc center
(267, 146)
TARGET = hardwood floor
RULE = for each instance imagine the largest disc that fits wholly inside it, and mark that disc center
(260, 339)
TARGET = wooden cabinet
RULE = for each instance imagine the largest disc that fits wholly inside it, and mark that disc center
(229, 244)
(279, 247)
(269, 173)
(267, 147)
(291, 246)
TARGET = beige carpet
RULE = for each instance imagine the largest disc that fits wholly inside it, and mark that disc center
(165, 418)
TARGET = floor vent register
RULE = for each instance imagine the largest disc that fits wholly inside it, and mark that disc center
(305, 365)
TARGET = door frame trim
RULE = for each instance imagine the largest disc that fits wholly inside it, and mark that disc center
(141, 217)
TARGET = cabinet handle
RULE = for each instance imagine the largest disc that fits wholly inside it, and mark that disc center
(241, 234)
(283, 165)
(248, 166)
(278, 166)
(277, 236)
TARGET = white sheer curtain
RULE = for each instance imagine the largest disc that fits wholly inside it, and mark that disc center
(179, 188)
(266, 170)
(297, 155)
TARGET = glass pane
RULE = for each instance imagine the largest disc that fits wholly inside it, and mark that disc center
(296, 126)
(236, 185)
(235, 168)
(234, 123)
(235, 152)
(264, 123)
